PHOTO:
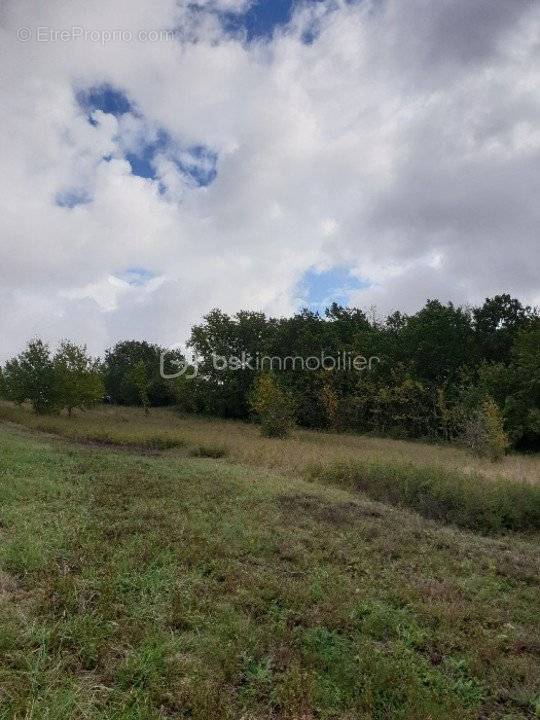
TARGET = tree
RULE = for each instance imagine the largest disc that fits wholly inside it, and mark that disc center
(138, 378)
(226, 348)
(522, 406)
(330, 401)
(274, 407)
(439, 340)
(78, 376)
(32, 376)
(497, 323)
(119, 378)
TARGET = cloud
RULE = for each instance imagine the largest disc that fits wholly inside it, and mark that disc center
(398, 140)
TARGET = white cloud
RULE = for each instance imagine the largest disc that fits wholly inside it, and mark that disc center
(402, 142)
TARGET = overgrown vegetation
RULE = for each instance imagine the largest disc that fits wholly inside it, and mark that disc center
(438, 481)
(441, 494)
(152, 587)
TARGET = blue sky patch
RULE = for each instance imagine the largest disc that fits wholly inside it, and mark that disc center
(142, 161)
(321, 289)
(136, 276)
(197, 162)
(261, 19)
(72, 198)
(105, 98)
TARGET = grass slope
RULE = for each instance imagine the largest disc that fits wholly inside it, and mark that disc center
(442, 494)
(436, 480)
(138, 587)
(243, 443)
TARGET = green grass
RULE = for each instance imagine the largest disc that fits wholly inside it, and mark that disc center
(141, 587)
(470, 501)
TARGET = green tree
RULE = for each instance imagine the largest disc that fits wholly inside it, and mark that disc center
(226, 348)
(439, 341)
(522, 406)
(138, 378)
(32, 377)
(496, 323)
(3, 387)
(79, 378)
(118, 373)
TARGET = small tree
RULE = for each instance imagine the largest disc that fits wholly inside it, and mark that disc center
(497, 439)
(274, 407)
(330, 401)
(32, 376)
(80, 382)
(484, 431)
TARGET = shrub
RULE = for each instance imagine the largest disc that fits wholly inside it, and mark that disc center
(274, 407)
(484, 433)
(474, 434)
(441, 494)
(497, 439)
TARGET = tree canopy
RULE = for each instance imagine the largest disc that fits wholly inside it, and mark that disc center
(435, 370)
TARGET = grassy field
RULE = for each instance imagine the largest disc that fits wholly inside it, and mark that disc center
(146, 582)
(242, 442)
(442, 482)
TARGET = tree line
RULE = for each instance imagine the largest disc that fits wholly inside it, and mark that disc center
(444, 372)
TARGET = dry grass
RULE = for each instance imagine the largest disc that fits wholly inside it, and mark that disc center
(243, 443)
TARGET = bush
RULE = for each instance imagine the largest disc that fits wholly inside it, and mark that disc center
(484, 433)
(441, 494)
(274, 407)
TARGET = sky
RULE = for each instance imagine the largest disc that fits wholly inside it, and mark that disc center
(164, 157)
